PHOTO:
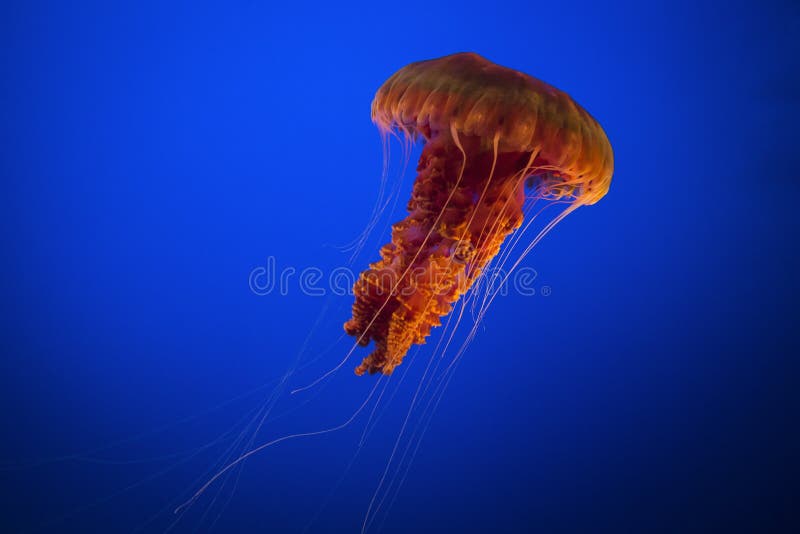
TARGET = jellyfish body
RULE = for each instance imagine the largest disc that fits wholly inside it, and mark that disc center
(489, 133)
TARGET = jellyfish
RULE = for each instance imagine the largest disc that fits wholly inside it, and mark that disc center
(492, 137)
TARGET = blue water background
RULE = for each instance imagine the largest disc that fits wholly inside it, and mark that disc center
(152, 154)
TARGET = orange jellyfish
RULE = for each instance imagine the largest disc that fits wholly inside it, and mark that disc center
(490, 133)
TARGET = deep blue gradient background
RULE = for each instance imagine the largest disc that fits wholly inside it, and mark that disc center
(152, 154)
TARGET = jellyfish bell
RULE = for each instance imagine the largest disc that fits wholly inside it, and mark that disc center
(490, 135)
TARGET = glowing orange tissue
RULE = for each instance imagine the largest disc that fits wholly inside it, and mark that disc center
(492, 138)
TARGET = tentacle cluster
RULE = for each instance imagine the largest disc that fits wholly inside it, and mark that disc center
(456, 224)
